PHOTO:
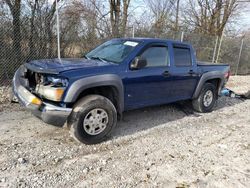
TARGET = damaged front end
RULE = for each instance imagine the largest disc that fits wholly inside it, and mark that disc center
(42, 93)
(46, 86)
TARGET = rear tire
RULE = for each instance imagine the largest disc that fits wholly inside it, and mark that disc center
(206, 99)
(92, 119)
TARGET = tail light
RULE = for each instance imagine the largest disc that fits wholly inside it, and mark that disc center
(227, 75)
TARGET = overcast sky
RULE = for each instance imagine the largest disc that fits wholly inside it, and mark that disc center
(243, 22)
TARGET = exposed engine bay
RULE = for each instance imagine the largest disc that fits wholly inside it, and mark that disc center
(46, 86)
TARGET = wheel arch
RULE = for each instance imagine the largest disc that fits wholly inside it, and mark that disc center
(109, 86)
(214, 77)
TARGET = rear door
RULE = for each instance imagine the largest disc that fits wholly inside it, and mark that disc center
(184, 71)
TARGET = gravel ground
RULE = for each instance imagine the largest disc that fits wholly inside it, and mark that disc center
(166, 146)
(239, 84)
(5, 92)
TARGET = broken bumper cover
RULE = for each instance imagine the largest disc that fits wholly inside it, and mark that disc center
(48, 113)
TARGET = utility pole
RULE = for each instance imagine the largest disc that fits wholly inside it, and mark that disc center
(182, 36)
(219, 48)
(133, 30)
(215, 48)
(241, 46)
(58, 32)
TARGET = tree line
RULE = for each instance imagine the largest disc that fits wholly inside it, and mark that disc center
(28, 27)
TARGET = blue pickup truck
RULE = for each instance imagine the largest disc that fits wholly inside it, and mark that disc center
(91, 93)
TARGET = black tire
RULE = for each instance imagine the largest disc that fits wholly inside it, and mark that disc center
(199, 104)
(80, 112)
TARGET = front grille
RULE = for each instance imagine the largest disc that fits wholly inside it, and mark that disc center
(33, 79)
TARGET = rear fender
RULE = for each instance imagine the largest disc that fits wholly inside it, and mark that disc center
(209, 76)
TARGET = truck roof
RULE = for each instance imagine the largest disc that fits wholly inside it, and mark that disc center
(145, 39)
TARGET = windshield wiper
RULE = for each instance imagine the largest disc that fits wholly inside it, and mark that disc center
(86, 57)
(103, 59)
(98, 58)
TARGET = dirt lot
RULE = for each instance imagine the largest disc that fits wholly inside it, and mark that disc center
(154, 147)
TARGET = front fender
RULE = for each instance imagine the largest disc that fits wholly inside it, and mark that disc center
(95, 81)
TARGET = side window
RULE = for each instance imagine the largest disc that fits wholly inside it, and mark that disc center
(182, 56)
(156, 56)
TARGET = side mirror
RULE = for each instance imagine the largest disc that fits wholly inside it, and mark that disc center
(138, 63)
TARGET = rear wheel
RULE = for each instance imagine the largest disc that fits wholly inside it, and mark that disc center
(206, 99)
(92, 120)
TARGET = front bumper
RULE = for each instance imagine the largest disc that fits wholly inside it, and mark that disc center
(49, 113)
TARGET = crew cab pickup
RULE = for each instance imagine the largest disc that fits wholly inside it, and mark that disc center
(89, 94)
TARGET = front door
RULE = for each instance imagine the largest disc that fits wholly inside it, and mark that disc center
(152, 84)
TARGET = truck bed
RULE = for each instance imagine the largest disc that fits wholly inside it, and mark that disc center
(204, 63)
(208, 66)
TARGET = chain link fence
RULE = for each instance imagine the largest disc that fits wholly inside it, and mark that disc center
(38, 40)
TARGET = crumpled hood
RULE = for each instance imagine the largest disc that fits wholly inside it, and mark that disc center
(55, 66)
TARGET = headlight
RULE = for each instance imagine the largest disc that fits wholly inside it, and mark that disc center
(52, 88)
(51, 93)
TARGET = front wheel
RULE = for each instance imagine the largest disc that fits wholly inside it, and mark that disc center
(206, 99)
(92, 120)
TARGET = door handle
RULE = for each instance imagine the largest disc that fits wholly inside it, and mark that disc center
(191, 72)
(165, 73)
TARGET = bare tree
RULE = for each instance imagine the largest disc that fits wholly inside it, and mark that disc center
(33, 6)
(118, 16)
(210, 17)
(15, 8)
(126, 4)
(115, 11)
(162, 12)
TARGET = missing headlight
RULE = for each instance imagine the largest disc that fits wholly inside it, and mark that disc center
(55, 81)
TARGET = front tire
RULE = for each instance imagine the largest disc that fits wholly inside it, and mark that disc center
(92, 119)
(206, 99)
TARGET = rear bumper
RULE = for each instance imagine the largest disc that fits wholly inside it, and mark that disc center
(49, 113)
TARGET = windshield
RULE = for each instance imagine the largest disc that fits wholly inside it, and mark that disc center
(114, 51)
